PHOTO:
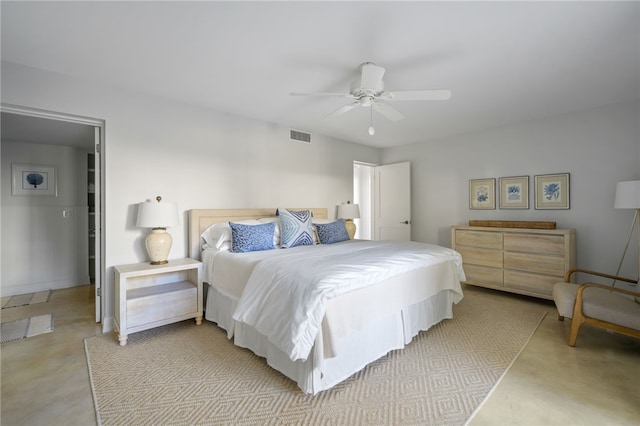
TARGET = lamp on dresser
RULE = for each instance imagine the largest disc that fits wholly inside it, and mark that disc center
(158, 216)
(628, 197)
(348, 212)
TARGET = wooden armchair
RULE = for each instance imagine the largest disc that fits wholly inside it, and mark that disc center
(596, 304)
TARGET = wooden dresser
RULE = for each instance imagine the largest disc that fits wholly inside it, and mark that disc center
(525, 261)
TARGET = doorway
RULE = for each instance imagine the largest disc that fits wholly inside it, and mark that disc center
(51, 131)
(384, 196)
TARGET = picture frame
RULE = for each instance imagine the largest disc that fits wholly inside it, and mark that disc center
(552, 191)
(514, 192)
(34, 180)
(482, 194)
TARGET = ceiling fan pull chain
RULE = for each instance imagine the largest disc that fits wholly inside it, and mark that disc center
(372, 131)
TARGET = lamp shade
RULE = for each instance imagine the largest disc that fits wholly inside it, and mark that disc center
(158, 214)
(348, 211)
(628, 195)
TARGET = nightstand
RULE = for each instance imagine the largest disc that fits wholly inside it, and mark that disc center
(149, 296)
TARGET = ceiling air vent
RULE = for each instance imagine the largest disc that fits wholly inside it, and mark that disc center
(300, 136)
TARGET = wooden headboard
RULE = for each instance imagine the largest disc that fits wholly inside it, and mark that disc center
(201, 219)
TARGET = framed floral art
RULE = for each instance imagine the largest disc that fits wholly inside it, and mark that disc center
(514, 192)
(482, 194)
(552, 191)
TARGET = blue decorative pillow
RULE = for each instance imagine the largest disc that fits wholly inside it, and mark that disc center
(295, 228)
(334, 232)
(245, 238)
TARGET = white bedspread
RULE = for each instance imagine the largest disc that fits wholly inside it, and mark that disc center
(285, 297)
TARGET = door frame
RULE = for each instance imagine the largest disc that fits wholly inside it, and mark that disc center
(99, 148)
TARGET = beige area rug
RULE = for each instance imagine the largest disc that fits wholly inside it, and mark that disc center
(26, 299)
(26, 327)
(192, 375)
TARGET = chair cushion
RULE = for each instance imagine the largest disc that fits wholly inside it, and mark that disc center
(598, 303)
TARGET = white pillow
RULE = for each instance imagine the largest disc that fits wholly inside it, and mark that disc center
(220, 233)
(276, 234)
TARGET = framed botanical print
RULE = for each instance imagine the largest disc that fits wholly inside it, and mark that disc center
(552, 191)
(514, 192)
(29, 179)
(482, 194)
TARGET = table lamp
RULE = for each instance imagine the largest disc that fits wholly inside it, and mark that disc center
(348, 212)
(158, 216)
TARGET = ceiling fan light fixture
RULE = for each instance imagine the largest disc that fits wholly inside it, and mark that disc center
(366, 101)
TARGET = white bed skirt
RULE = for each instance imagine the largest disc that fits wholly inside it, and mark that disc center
(352, 352)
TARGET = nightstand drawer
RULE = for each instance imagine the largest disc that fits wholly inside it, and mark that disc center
(165, 301)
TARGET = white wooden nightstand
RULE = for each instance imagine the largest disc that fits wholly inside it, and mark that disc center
(149, 296)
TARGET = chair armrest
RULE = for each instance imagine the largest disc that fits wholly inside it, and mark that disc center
(582, 287)
(567, 277)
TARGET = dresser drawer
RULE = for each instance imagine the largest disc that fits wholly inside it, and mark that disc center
(480, 256)
(534, 243)
(537, 263)
(483, 275)
(530, 283)
(490, 240)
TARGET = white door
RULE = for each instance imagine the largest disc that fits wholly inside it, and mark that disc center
(392, 202)
(97, 225)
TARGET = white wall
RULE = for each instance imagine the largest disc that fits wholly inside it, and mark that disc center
(195, 157)
(44, 237)
(598, 147)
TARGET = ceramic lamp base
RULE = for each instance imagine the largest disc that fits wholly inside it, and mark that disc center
(351, 227)
(158, 244)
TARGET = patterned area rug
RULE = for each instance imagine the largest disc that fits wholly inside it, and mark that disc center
(26, 327)
(188, 374)
(26, 299)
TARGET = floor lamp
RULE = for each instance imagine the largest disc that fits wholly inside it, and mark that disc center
(628, 197)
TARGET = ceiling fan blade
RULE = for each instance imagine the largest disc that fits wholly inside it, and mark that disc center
(388, 111)
(342, 110)
(341, 95)
(418, 95)
(371, 76)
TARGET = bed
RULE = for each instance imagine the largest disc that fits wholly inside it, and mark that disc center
(354, 313)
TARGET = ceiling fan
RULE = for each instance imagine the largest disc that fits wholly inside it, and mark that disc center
(368, 91)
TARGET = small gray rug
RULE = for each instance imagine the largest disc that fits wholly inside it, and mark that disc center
(26, 327)
(26, 299)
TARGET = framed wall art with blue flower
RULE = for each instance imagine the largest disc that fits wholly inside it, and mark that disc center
(552, 191)
(482, 194)
(29, 179)
(514, 192)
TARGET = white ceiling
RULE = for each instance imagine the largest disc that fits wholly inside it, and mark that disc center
(505, 62)
(23, 128)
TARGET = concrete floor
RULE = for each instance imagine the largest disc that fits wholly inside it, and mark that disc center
(45, 379)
